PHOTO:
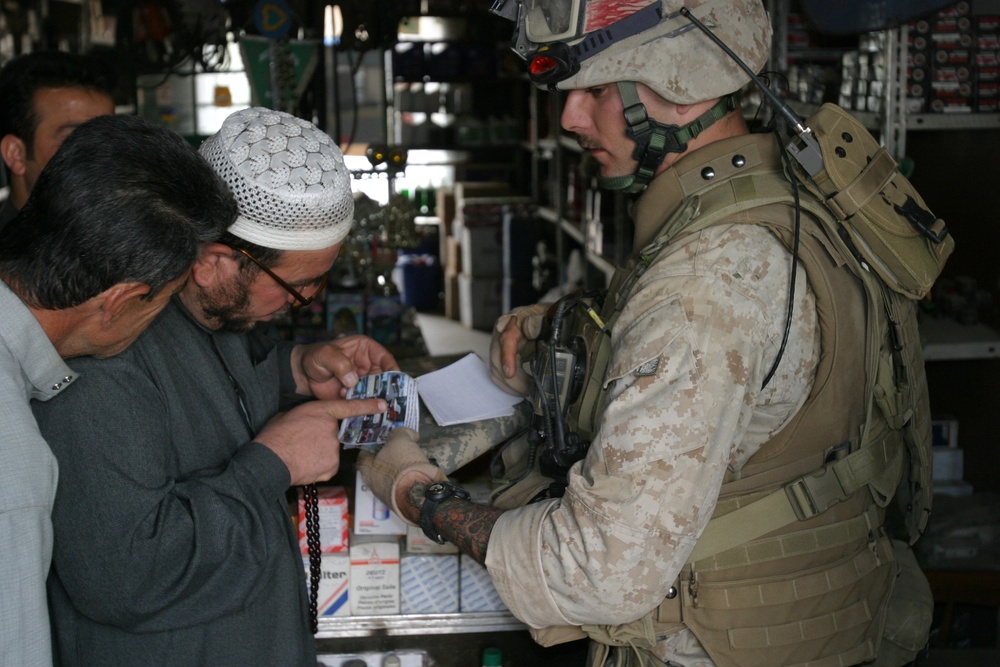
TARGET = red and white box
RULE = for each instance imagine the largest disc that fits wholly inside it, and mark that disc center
(334, 526)
(334, 584)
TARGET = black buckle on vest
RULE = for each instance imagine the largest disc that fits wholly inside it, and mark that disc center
(921, 219)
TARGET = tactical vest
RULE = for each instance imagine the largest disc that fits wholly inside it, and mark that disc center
(795, 567)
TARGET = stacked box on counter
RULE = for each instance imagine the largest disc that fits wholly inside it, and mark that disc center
(451, 210)
(479, 229)
(918, 70)
(951, 41)
(986, 63)
(369, 574)
(428, 583)
(334, 526)
(374, 577)
(953, 61)
(334, 585)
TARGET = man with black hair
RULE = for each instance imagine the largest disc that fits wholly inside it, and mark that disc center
(108, 235)
(46, 95)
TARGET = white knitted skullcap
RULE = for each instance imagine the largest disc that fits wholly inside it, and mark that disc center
(289, 179)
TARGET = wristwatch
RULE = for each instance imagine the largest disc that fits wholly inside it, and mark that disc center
(434, 495)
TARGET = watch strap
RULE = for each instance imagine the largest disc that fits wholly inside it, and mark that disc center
(434, 495)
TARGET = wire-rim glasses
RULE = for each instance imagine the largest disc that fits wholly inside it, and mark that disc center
(302, 301)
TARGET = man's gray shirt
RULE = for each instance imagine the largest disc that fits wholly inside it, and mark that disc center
(30, 368)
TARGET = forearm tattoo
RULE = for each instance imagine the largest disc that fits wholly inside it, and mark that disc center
(465, 524)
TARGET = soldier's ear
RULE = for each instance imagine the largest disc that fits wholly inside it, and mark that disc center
(14, 153)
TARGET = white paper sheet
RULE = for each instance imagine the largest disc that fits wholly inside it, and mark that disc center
(463, 392)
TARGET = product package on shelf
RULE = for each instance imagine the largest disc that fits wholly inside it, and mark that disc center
(428, 583)
(333, 520)
(334, 585)
(374, 578)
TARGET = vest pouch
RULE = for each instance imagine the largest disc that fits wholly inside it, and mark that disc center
(827, 615)
(883, 217)
(556, 634)
(911, 609)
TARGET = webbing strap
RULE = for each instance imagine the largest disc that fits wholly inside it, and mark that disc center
(798, 500)
(801, 630)
(803, 586)
(793, 544)
(873, 180)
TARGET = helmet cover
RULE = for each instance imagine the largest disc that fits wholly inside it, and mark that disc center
(288, 177)
(674, 58)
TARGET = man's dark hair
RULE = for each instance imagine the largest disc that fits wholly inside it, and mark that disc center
(23, 76)
(122, 200)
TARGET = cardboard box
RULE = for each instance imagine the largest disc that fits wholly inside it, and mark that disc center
(949, 464)
(374, 577)
(473, 189)
(334, 585)
(451, 296)
(480, 301)
(333, 522)
(418, 543)
(476, 588)
(482, 251)
(371, 515)
(428, 583)
(453, 255)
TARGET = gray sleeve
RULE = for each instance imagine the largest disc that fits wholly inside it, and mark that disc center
(138, 545)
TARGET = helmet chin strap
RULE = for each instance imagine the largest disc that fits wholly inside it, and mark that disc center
(653, 140)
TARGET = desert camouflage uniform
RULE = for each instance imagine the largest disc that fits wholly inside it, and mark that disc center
(690, 351)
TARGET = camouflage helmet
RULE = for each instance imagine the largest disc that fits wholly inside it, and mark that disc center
(649, 42)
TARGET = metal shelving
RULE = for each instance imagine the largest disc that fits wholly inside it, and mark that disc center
(417, 624)
(947, 340)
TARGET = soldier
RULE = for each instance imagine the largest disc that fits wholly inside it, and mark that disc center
(736, 371)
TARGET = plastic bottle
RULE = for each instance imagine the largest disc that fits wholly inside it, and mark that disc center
(492, 657)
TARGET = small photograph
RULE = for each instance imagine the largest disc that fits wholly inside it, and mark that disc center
(403, 409)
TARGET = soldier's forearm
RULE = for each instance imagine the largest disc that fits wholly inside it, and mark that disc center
(465, 524)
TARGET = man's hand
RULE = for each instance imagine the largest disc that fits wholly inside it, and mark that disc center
(513, 339)
(305, 437)
(326, 370)
(398, 465)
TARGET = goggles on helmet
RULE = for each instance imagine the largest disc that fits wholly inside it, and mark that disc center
(555, 36)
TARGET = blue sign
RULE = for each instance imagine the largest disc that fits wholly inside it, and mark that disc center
(272, 18)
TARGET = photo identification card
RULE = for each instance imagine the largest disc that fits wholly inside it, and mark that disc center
(400, 393)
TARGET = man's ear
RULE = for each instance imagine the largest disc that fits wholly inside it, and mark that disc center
(215, 263)
(14, 153)
(116, 299)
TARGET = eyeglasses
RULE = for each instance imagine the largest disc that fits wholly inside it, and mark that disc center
(302, 301)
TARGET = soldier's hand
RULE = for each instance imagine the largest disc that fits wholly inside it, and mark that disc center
(305, 437)
(399, 464)
(513, 340)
